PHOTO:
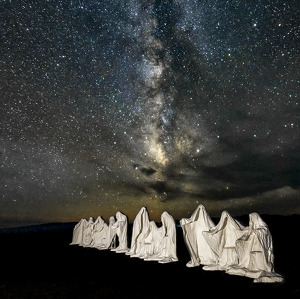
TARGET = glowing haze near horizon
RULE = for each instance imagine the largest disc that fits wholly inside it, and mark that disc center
(109, 106)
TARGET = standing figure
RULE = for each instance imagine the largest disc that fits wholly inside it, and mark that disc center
(255, 253)
(140, 229)
(199, 249)
(111, 234)
(221, 240)
(120, 227)
(78, 232)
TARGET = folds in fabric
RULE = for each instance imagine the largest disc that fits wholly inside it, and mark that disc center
(199, 249)
(120, 227)
(221, 240)
(139, 231)
(166, 249)
(78, 232)
(255, 253)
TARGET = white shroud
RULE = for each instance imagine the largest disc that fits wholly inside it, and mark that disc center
(78, 232)
(199, 249)
(120, 227)
(255, 253)
(221, 240)
(139, 231)
(152, 241)
(167, 248)
(99, 232)
(111, 235)
(87, 233)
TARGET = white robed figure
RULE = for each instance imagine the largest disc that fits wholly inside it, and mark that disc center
(152, 241)
(167, 248)
(120, 227)
(199, 249)
(98, 232)
(78, 230)
(87, 233)
(255, 253)
(111, 240)
(221, 240)
(139, 231)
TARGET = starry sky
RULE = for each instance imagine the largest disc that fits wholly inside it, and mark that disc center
(109, 106)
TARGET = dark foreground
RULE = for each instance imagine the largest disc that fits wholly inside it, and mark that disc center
(40, 263)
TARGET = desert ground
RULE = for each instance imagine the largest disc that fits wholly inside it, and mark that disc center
(38, 262)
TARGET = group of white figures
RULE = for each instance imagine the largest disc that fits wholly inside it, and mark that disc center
(227, 246)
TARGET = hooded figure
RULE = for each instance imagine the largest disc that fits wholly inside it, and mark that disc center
(255, 252)
(120, 227)
(152, 241)
(221, 240)
(78, 232)
(111, 234)
(99, 232)
(167, 248)
(199, 249)
(140, 229)
(87, 233)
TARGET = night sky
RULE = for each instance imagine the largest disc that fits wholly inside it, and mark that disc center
(113, 105)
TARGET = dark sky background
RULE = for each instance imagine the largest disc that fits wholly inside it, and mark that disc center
(109, 106)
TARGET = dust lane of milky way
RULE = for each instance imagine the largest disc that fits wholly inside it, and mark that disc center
(115, 105)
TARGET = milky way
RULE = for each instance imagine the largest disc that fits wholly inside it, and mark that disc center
(115, 105)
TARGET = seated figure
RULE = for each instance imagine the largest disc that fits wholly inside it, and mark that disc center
(99, 232)
(255, 253)
(221, 240)
(87, 233)
(151, 241)
(199, 249)
(166, 251)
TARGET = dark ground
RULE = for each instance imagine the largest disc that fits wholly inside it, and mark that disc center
(38, 262)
